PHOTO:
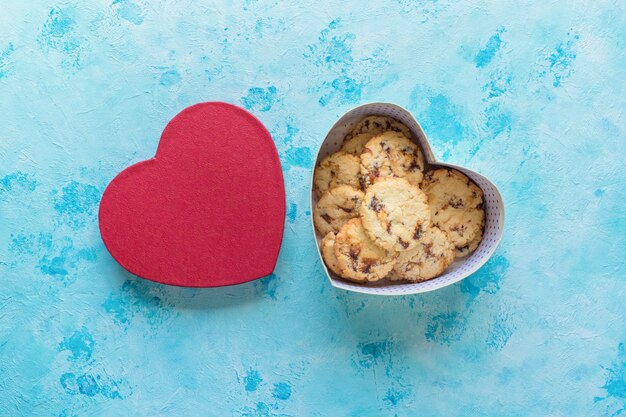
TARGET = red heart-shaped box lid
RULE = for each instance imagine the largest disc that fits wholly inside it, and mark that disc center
(208, 210)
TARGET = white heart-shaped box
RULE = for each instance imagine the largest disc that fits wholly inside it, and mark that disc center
(462, 267)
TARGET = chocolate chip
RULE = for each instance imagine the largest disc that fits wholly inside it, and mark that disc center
(389, 227)
(459, 229)
(367, 265)
(362, 182)
(403, 243)
(347, 210)
(376, 205)
(327, 218)
(458, 203)
(413, 166)
(374, 173)
(354, 255)
(480, 206)
(418, 233)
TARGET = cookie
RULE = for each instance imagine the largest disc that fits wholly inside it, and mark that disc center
(391, 154)
(354, 145)
(359, 259)
(328, 253)
(432, 255)
(375, 125)
(336, 169)
(336, 207)
(456, 206)
(394, 212)
(369, 127)
(470, 247)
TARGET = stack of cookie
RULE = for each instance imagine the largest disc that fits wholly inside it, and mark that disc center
(382, 215)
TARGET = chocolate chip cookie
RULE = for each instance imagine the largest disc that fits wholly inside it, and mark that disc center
(355, 144)
(457, 207)
(432, 255)
(375, 125)
(470, 247)
(358, 257)
(334, 170)
(394, 212)
(336, 207)
(391, 154)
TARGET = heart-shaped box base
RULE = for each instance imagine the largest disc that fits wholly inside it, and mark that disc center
(208, 210)
(462, 267)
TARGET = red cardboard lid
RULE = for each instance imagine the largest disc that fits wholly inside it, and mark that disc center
(208, 210)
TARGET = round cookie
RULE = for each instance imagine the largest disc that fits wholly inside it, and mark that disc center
(375, 125)
(328, 253)
(391, 154)
(336, 207)
(358, 258)
(336, 169)
(394, 212)
(354, 145)
(456, 206)
(432, 255)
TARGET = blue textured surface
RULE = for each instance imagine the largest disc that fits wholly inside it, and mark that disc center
(529, 94)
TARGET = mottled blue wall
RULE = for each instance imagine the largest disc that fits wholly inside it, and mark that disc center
(530, 94)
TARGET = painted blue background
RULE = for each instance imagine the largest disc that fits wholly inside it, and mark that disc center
(530, 94)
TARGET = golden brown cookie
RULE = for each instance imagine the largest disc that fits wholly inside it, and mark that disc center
(358, 257)
(432, 255)
(334, 170)
(336, 207)
(456, 206)
(369, 127)
(470, 247)
(393, 213)
(355, 144)
(391, 154)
